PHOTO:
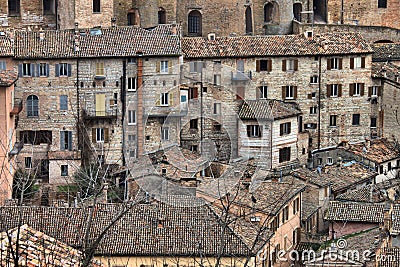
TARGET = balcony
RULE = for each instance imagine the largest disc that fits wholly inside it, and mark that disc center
(17, 107)
(241, 76)
(92, 114)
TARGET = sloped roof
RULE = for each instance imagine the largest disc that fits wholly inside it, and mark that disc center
(267, 109)
(147, 229)
(275, 45)
(6, 47)
(395, 219)
(355, 212)
(105, 42)
(8, 77)
(386, 52)
(385, 70)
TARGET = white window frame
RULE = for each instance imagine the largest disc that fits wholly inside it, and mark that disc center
(28, 162)
(43, 69)
(99, 135)
(131, 84)
(357, 89)
(26, 69)
(335, 90)
(63, 69)
(164, 99)
(329, 161)
(164, 66)
(330, 120)
(131, 117)
(165, 133)
(289, 92)
(314, 79)
(263, 91)
(217, 109)
(335, 63)
(217, 79)
(290, 65)
(313, 110)
(255, 131)
(357, 62)
(374, 91)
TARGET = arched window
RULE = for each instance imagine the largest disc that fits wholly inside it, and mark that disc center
(249, 21)
(162, 16)
(271, 12)
(194, 23)
(32, 106)
(297, 8)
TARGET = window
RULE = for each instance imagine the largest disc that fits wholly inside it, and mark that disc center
(264, 65)
(195, 67)
(319, 161)
(96, 6)
(32, 106)
(296, 205)
(217, 79)
(381, 169)
(296, 236)
(3, 65)
(263, 92)
(382, 3)
(164, 99)
(13, 7)
(329, 161)
(132, 153)
(164, 67)
(334, 90)
(373, 91)
(289, 92)
(284, 154)
(285, 128)
(36, 137)
(133, 17)
(194, 23)
(43, 69)
(290, 65)
(99, 135)
(27, 69)
(131, 137)
(48, 6)
(356, 119)
(65, 140)
(165, 133)
(249, 20)
(357, 62)
(271, 12)
(373, 122)
(193, 148)
(131, 83)
(217, 108)
(334, 63)
(217, 127)
(313, 110)
(313, 95)
(63, 69)
(162, 16)
(389, 166)
(193, 93)
(332, 121)
(28, 162)
(285, 214)
(100, 69)
(63, 102)
(253, 131)
(310, 126)
(193, 124)
(64, 170)
(314, 79)
(274, 224)
(356, 89)
(131, 117)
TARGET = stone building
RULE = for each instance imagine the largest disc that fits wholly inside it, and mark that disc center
(327, 75)
(75, 85)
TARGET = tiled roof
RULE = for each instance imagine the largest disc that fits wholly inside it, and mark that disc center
(37, 249)
(385, 70)
(275, 45)
(6, 47)
(379, 150)
(355, 212)
(386, 52)
(147, 229)
(389, 257)
(310, 202)
(374, 193)
(110, 42)
(395, 219)
(339, 177)
(8, 77)
(267, 109)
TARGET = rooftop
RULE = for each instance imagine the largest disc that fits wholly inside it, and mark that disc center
(386, 52)
(386, 70)
(8, 77)
(267, 109)
(275, 45)
(355, 212)
(6, 47)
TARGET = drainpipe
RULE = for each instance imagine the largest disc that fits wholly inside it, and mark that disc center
(139, 111)
(342, 13)
(123, 107)
(319, 102)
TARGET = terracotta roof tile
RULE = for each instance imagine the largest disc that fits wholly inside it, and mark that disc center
(8, 77)
(267, 109)
(6, 47)
(355, 212)
(386, 70)
(275, 45)
(386, 52)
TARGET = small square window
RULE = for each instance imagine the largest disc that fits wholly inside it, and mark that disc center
(217, 127)
(193, 148)
(285, 128)
(147, 137)
(382, 3)
(132, 153)
(63, 69)
(374, 91)
(64, 170)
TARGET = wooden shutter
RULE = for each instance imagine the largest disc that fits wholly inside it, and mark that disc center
(309, 96)
(62, 140)
(329, 64)
(69, 140)
(257, 65)
(281, 129)
(37, 72)
(106, 135)
(258, 92)
(380, 89)
(195, 93)
(295, 92)
(269, 65)
(283, 92)
(170, 67)
(362, 62)
(289, 127)
(296, 64)
(248, 130)
(69, 70)
(369, 91)
(328, 90)
(340, 63)
(47, 70)
(362, 89)
(158, 65)
(157, 97)
(19, 70)
(33, 70)
(93, 135)
(351, 91)
(284, 65)
(352, 63)
(339, 90)
(171, 99)
(57, 69)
